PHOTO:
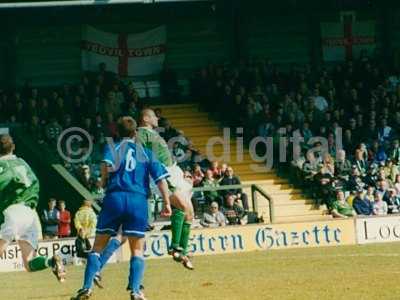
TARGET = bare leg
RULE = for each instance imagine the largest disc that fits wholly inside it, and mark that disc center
(180, 201)
(3, 246)
(27, 253)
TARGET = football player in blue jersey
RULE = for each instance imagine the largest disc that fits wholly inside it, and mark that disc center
(126, 172)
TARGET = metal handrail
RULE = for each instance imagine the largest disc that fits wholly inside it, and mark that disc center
(254, 190)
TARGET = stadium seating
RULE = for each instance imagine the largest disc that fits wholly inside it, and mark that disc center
(289, 203)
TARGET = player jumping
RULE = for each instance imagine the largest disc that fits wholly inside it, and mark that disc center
(181, 189)
(19, 196)
(125, 174)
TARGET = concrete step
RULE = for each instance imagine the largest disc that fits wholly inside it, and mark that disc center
(199, 120)
(175, 106)
(288, 198)
(184, 115)
(201, 138)
(302, 218)
(297, 210)
(196, 128)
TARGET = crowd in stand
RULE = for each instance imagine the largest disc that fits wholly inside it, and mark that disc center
(94, 104)
(355, 103)
(58, 222)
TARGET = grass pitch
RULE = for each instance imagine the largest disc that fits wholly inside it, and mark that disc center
(352, 272)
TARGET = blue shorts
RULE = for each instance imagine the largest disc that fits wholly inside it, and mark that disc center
(128, 211)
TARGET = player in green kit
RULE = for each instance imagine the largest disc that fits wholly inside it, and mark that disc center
(180, 188)
(19, 196)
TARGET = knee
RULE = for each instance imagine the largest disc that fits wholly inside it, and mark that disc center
(189, 217)
(137, 252)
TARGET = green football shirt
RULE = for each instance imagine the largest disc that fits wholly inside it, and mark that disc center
(343, 208)
(18, 184)
(151, 140)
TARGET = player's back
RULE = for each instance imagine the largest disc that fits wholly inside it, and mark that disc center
(151, 140)
(131, 165)
(18, 183)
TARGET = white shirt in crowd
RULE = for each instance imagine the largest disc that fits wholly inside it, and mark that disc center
(380, 208)
(320, 103)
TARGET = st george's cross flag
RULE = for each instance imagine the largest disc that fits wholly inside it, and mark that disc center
(124, 54)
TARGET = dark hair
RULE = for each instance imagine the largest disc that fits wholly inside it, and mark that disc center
(6, 144)
(126, 127)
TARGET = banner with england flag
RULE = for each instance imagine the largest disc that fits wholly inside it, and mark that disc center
(127, 55)
(346, 39)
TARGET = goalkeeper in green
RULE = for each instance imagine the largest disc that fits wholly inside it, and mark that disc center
(19, 196)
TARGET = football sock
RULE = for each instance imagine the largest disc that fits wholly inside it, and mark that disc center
(39, 263)
(108, 251)
(185, 236)
(177, 219)
(136, 272)
(92, 268)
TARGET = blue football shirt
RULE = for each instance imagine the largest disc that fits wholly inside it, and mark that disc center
(130, 165)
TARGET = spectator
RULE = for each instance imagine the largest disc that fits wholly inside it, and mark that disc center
(85, 177)
(392, 201)
(53, 131)
(397, 184)
(362, 205)
(310, 167)
(111, 105)
(360, 162)
(231, 179)
(85, 220)
(234, 213)
(35, 130)
(198, 175)
(340, 208)
(216, 171)
(380, 206)
(98, 190)
(210, 182)
(213, 218)
(64, 225)
(50, 219)
(342, 166)
(320, 102)
(370, 194)
(223, 169)
(395, 152)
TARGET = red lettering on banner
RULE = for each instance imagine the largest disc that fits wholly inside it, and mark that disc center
(118, 52)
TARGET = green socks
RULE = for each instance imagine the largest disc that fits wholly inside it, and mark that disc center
(185, 236)
(177, 219)
(39, 263)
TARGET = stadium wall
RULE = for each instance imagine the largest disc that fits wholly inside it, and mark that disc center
(237, 239)
(196, 35)
(234, 239)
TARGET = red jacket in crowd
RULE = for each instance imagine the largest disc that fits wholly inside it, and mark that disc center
(64, 225)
